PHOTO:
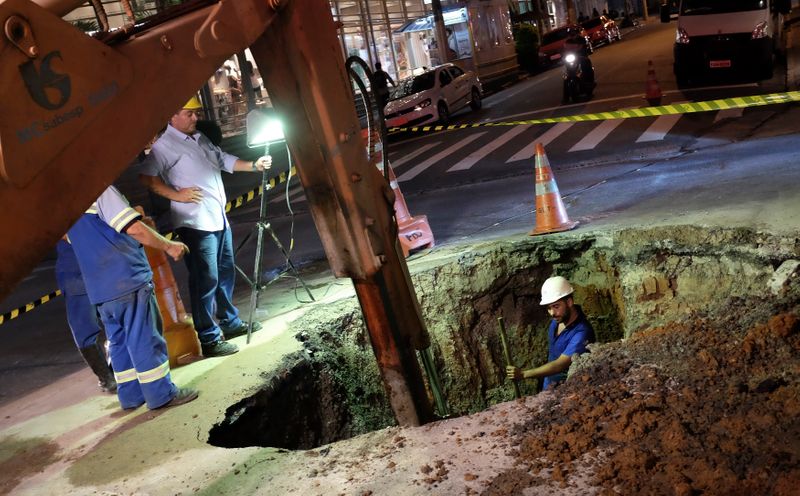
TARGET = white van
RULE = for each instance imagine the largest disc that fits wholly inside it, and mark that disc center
(725, 35)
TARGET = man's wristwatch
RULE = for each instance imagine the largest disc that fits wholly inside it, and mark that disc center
(253, 166)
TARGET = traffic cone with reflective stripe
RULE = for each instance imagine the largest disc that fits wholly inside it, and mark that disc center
(182, 344)
(413, 232)
(652, 90)
(551, 215)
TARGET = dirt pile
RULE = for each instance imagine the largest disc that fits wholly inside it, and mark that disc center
(689, 408)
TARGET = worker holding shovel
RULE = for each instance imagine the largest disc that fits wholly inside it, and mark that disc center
(569, 334)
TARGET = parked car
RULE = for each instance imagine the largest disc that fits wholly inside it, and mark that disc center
(553, 44)
(432, 96)
(601, 30)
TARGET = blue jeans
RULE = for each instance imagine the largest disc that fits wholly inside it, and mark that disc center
(212, 276)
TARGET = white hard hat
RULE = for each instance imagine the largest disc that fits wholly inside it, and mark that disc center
(554, 289)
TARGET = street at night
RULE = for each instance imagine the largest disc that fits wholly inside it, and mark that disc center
(687, 223)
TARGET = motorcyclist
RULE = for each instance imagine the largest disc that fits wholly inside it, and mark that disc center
(577, 43)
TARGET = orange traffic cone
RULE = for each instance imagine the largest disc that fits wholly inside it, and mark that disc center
(413, 232)
(653, 90)
(551, 215)
(182, 344)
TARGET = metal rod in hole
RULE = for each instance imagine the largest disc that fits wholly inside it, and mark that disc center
(507, 353)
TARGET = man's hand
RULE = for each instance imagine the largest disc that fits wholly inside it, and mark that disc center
(513, 372)
(189, 195)
(176, 250)
(263, 163)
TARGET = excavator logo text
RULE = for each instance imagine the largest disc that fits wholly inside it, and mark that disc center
(43, 79)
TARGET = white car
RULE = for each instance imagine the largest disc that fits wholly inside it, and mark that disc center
(432, 96)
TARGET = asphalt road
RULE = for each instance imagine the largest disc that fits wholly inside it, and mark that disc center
(477, 184)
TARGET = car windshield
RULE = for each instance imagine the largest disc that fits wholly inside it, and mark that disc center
(405, 87)
(553, 36)
(591, 23)
(704, 7)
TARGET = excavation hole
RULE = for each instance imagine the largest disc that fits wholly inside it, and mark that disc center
(625, 282)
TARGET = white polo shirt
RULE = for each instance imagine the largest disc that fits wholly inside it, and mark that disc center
(184, 161)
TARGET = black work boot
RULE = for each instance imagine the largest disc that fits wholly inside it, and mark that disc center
(218, 348)
(96, 360)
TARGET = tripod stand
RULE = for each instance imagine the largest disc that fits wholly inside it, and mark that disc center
(256, 283)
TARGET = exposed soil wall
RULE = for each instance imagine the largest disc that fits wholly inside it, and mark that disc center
(626, 281)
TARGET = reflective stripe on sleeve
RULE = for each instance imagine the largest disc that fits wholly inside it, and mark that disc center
(124, 218)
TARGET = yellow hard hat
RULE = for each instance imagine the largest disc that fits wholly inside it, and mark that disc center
(193, 104)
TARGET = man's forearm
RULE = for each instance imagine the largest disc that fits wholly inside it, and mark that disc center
(555, 367)
(244, 165)
(147, 236)
(159, 187)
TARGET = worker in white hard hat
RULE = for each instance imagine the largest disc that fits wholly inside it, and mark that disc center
(568, 335)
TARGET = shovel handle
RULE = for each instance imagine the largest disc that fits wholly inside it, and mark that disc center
(507, 353)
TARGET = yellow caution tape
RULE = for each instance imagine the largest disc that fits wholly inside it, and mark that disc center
(236, 203)
(678, 108)
(13, 314)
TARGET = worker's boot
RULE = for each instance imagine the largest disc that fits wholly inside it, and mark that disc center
(96, 360)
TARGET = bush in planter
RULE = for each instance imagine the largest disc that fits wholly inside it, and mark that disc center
(526, 42)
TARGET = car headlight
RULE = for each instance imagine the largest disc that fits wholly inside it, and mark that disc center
(421, 105)
(681, 36)
(761, 30)
(570, 58)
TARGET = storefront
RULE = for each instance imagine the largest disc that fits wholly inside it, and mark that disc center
(479, 38)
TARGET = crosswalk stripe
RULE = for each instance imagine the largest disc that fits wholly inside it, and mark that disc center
(545, 139)
(414, 154)
(728, 114)
(659, 128)
(596, 135)
(483, 151)
(419, 168)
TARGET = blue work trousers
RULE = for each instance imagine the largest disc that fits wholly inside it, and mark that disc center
(212, 276)
(82, 319)
(138, 352)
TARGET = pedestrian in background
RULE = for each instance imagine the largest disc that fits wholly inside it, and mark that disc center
(108, 240)
(185, 167)
(568, 334)
(380, 85)
(82, 318)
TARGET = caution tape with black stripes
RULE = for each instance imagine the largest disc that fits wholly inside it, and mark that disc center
(677, 108)
(13, 314)
(236, 203)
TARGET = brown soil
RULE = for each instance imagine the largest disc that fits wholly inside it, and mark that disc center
(689, 408)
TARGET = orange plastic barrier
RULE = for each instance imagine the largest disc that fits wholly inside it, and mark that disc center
(182, 344)
(413, 232)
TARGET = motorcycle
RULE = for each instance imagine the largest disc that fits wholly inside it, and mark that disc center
(578, 76)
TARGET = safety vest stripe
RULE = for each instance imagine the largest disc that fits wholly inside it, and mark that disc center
(125, 376)
(124, 218)
(154, 374)
(92, 209)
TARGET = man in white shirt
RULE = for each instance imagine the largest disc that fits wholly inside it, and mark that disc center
(185, 167)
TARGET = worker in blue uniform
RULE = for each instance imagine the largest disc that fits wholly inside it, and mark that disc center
(82, 316)
(108, 240)
(568, 335)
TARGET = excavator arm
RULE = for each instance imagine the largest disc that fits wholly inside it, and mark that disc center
(76, 111)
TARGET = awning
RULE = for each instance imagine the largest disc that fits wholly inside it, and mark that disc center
(452, 15)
